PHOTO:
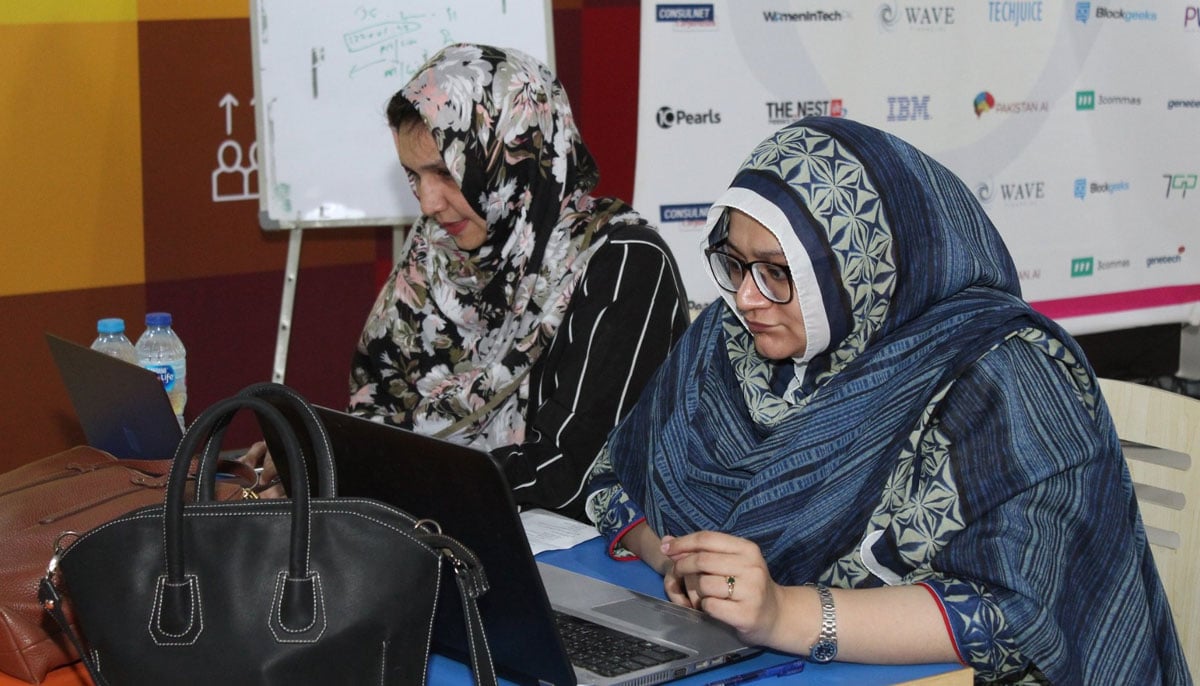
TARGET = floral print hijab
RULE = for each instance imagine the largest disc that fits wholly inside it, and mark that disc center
(452, 336)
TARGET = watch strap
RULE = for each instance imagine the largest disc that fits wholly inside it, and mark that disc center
(825, 648)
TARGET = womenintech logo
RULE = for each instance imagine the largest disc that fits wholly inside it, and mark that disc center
(983, 102)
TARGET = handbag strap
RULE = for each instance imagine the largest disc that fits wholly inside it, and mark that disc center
(472, 583)
(51, 601)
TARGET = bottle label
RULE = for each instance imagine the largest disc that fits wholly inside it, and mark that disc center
(166, 374)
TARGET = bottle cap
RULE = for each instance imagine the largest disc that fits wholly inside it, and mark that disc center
(111, 325)
(158, 319)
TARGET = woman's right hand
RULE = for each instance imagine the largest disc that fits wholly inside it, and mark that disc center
(259, 458)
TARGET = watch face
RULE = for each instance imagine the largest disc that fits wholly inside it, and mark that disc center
(822, 651)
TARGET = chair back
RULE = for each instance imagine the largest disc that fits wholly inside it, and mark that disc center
(1160, 436)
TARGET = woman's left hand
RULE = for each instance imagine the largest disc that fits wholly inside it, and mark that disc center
(726, 577)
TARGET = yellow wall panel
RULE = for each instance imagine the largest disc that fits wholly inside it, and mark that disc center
(70, 148)
(193, 9)
(66, 11)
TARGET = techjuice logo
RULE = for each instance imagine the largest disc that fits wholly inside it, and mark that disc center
(1083, 10)
(1015, 13)
(668, 117)
(686, 16)
(1181, 183)
(986, 102)
(1082, 266)
(908, 108)
(1082, 187)
(1088, 100)
(787, 111)
(692, 213)
(919, 17)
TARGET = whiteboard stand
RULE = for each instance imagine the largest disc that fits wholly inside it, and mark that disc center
(287, 303)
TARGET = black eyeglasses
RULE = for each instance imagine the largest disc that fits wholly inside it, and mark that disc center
(774, 281)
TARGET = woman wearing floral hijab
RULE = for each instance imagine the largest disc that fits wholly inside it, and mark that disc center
(910, 464)
(524, 315)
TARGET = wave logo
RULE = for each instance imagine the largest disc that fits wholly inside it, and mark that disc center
(983, 102)
(984, 191)
(889, 16)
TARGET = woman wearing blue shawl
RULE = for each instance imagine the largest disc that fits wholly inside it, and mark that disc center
(876, 411)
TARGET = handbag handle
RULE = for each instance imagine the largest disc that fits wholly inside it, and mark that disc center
(176, 616)
(318, 437)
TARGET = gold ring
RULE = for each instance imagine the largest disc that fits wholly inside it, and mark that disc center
(729, 582)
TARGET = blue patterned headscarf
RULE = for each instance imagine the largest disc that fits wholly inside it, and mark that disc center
(938, 431)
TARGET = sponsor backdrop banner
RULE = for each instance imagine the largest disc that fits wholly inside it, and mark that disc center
(1075, 123)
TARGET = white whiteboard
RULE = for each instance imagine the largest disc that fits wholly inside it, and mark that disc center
(324, 71)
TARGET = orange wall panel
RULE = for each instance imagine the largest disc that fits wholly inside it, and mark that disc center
(70, 145)
(56, 11)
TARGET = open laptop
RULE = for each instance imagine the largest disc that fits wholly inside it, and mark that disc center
(122, 407)
(532, 609)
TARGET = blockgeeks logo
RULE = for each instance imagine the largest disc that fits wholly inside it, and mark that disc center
(1082, 187)
(668, 117)
(1083, 10)
(788, 111)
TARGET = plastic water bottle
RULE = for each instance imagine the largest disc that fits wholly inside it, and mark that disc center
(160, 350)
(111, 340)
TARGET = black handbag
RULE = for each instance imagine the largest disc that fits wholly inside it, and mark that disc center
(305, 590)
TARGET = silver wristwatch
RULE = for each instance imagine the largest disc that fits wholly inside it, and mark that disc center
(825, 648)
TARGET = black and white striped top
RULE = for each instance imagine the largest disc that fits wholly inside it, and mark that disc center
(625, 315)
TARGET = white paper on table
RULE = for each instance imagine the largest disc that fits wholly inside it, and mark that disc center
(549, 531)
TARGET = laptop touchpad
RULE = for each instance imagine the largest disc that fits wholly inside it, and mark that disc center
(652, 614)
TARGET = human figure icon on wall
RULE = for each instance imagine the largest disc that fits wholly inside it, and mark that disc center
(233, 180)
(236, 176)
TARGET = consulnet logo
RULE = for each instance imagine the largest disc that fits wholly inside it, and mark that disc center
(690, 213)
(685, 15)
(1082, 266)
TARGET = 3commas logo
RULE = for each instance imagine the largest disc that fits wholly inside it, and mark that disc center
(1082, 266)
(668, 117)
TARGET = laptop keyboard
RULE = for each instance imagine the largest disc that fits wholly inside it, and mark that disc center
(608, 652)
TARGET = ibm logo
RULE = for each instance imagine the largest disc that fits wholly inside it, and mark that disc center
(1082, 266)
(1085, 100)
(908, 108)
